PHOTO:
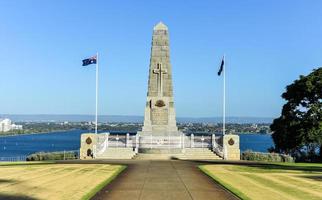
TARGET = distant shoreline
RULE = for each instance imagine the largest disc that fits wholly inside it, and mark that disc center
(59, 131)
(35, 133)
(128, 118)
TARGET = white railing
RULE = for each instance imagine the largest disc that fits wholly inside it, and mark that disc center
(102, 143)
(105, 141)
(117, 141)
(120, 141)
(202, 141)
(217, 146)
(161, 142)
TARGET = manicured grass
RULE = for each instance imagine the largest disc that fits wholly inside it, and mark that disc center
(100, 186)
(47, 180)
(269, 181)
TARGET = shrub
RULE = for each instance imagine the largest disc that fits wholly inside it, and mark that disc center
(268, 157)
(61, 155)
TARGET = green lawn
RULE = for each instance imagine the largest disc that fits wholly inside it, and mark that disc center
(269, 181)
(47, 180)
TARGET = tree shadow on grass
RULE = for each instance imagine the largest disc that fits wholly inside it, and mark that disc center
(266, 166)
(297, 168)
(288, 167)
(2, 181)
(315, 178)
(15, 197)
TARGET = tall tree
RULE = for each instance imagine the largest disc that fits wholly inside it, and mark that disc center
(299, 128)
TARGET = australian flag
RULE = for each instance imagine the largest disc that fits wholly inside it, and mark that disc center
(91, 60)
(221, 68)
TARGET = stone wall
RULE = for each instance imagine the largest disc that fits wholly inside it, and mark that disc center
(231, 146)
(88, 142)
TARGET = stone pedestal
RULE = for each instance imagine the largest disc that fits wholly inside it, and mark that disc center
(231, 147)
(88, 146)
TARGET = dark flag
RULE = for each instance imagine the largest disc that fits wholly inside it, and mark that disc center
(221, 66)
(91, 60)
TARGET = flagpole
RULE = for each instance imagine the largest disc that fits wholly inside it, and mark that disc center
(224, 98)
(96, 106)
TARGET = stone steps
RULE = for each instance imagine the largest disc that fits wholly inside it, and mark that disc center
(199, 154)
(215, 157)
(117, 153)
(189, 154)
(151, 156)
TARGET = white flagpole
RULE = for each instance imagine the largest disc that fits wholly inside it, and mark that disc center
(96, 106)
(224, 99)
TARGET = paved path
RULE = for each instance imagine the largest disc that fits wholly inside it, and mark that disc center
(154, 180)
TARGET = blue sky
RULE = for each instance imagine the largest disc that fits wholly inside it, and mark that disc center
(267, 44)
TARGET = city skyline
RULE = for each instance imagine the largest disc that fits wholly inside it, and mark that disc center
(43, 45)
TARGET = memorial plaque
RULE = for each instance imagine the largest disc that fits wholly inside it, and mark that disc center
(159, 116)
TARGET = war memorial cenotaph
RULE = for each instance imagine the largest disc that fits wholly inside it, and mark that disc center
(159, 115)
(160, 137)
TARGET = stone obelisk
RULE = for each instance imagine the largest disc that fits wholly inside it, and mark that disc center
(159, 115)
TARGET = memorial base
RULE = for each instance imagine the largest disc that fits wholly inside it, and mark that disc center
(231, 146)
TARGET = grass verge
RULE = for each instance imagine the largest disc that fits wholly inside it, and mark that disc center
(26, 163)
(227, 186)
(270, 181)
(100, 186)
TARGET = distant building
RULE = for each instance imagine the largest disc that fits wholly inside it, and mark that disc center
(254, 126)
(6, 125)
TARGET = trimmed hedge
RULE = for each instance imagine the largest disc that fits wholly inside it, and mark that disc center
(60, 155)
(269, 157)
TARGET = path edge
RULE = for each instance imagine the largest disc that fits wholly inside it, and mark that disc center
(235, 192)
(104, 183)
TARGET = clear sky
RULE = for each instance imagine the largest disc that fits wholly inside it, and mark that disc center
(267, 44)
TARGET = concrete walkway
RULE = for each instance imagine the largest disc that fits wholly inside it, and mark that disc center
(154, 180)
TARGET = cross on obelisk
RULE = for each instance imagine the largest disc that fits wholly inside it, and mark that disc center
(160, 71)
(159, 112)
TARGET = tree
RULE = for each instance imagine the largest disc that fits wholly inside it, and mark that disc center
(299, 128)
